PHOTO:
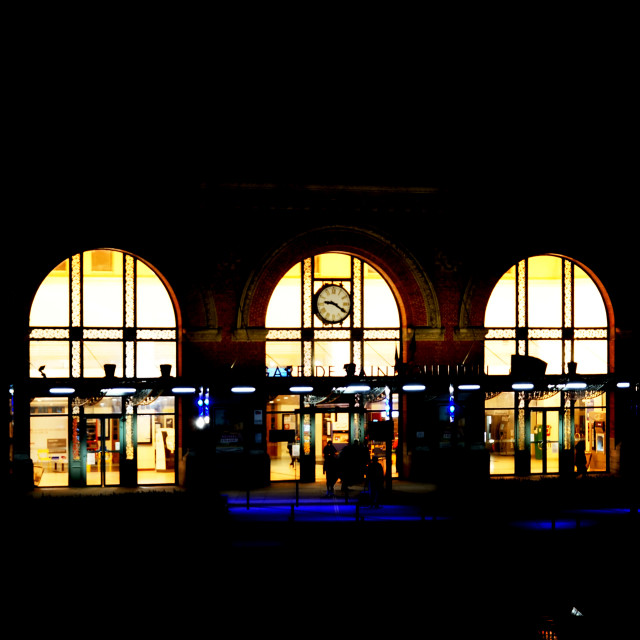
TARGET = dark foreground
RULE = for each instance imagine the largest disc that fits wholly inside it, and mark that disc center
(465, 564)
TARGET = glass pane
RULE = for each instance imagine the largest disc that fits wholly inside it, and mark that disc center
(156, 438)
(96, 354)
(545, 292)
(537, 441)
(553, 442)
(283, 433)
(53, 355)
(596, 439)
(103, 451)
(49, 426)
(501, 308)
(497, 356)
(102, 293)
(285, 305)
(380, 357)
(329, 358)
(162, 404)
(591, 356)
(154, 307)
(332, 265)
(588, 306)
(380, 308)
(106, 404)
(50, 306)
(550, 351)
(281, 355)
(150, 355)
(500, 441)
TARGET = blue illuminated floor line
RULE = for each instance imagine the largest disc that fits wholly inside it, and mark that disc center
(326, 512)
(341, 511)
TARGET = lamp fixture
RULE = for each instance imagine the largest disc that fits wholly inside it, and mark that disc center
(357, 388)
(301, 389)
(119, 391)
(413, 386)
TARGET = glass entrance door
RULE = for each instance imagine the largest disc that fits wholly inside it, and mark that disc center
(545, 441)
(103, 451)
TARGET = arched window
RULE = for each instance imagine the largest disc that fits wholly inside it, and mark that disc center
(328, 311)
(95, 309)
(101, 307)
(550, 308)
(315, 337)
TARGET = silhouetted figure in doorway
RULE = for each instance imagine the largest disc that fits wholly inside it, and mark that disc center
(581, 459)
(375, 480)
(330, 466)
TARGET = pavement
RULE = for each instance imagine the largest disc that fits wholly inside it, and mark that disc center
(496, 557)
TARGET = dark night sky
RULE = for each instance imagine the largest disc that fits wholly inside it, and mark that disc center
(145, 109)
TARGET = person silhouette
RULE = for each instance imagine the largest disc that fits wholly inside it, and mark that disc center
(375, 480)
(581, 459)
(330, 466)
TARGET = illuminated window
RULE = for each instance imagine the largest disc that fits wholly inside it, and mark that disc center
(328, 311)
(549, 308)
(101, 307)
(316, 338)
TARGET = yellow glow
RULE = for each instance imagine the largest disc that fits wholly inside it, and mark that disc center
(544, 291)
(545, 310)
(102, 292)
(332, 265)
(50, 306)
(379, 309)
(589, 309)
(284, 308)
(154, 307)
(501, 308)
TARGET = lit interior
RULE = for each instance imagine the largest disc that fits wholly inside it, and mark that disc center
(546, 295)
(111, 299)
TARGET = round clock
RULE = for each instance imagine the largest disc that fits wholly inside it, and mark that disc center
(332, 303)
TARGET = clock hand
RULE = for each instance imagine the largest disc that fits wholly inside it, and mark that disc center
(335, 304)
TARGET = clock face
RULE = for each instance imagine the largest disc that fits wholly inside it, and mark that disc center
(333, 303)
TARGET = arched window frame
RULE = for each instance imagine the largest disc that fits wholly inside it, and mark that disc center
(356, 333)
(568, 334)
(76, 334)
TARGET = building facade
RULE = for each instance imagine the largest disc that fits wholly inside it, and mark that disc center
(228, 346)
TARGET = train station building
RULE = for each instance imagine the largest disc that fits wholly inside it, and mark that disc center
(269, 322)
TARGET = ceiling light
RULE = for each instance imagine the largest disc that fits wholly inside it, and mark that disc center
(63, 391)
(413, 386)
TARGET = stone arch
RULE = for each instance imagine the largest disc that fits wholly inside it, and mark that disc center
(414, 292)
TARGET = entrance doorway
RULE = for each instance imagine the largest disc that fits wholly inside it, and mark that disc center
(297, 436)
(103, 451)
(545, 441)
